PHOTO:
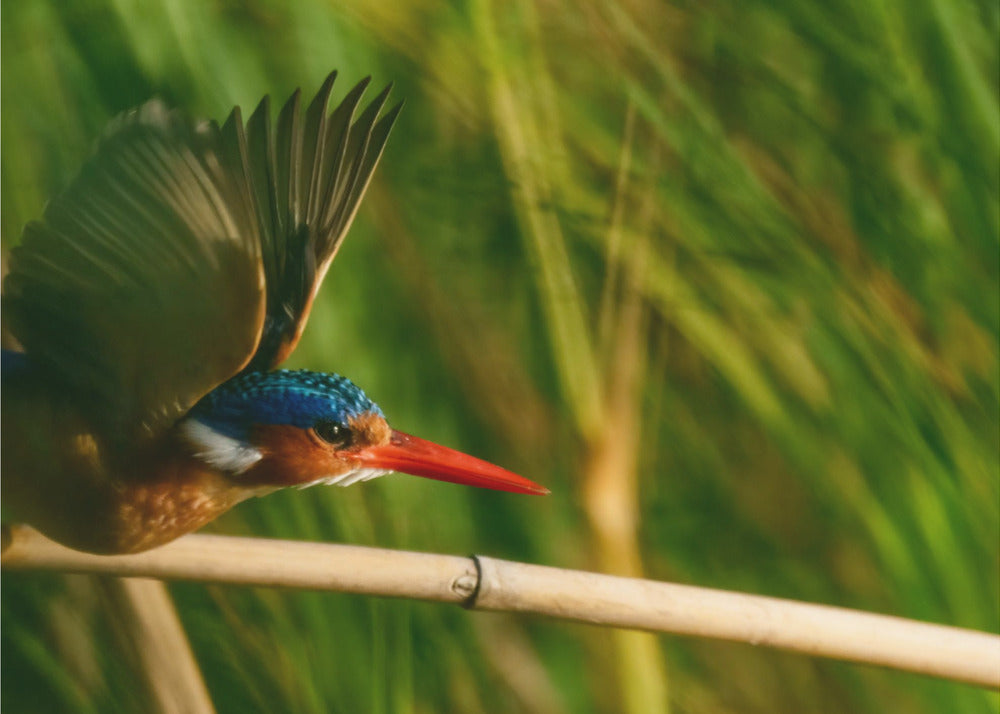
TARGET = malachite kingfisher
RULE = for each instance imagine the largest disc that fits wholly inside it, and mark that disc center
(152, 304)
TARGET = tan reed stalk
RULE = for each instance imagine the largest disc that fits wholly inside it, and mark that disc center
(483, 583)
(161, 651)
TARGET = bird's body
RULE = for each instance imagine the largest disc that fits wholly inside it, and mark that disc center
(152, 302)
(61, 476)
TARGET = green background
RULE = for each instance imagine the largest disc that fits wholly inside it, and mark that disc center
(724, 276)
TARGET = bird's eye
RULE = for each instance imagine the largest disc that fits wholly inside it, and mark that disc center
(333, 433)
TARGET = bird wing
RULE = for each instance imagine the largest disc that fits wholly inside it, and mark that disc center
(308, 177)
(182, 254)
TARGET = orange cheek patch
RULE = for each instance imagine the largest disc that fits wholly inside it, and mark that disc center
(292, 456)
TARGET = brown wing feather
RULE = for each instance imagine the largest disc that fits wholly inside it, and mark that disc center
(142, 287)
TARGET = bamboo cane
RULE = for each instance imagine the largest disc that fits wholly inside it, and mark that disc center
(483, 583)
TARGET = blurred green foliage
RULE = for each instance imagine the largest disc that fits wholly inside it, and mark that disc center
(778, 219)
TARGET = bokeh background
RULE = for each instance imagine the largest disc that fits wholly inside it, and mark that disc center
(724, 275)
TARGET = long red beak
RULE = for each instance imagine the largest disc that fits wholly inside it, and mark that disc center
(411, 455)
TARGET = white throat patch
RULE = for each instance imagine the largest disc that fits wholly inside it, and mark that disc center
(218, 450)
(346, 479)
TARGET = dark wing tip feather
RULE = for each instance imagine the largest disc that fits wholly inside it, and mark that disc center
(322, 163)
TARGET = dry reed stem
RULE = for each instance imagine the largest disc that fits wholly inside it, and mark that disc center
(483, 583)
(161, 649)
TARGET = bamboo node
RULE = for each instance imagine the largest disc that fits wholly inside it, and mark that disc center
(471, 584)
(465, 586)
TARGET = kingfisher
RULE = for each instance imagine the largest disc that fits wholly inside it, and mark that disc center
(152, 305)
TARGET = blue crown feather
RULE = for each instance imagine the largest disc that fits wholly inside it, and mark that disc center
(287, 397)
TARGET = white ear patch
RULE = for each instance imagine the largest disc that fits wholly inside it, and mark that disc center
(223, 452)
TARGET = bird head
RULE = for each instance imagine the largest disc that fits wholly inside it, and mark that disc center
(301, 428)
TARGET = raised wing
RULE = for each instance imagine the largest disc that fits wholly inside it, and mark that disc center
(183, 254)
(308, 177)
